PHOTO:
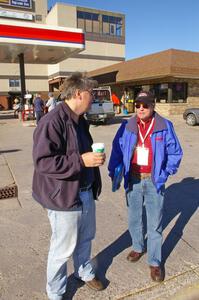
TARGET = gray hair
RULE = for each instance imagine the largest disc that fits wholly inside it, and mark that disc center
(50, 94)
(77, 81)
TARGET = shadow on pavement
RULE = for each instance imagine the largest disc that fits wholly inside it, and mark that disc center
(101, 263)
(72, 286)
(180, 199)
(9, 151)
(7, 115)
(105, 258)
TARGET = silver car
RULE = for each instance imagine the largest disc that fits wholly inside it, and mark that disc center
(191, 115)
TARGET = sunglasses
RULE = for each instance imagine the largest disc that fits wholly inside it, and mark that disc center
(138, 105)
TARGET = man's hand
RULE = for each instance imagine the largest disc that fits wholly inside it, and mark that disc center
(93, 159)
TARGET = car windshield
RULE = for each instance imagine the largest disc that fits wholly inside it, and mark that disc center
(100, 95)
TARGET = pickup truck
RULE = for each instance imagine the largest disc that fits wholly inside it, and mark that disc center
(102, 109)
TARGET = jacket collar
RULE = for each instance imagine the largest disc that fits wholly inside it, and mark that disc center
(69, 112)
(160, 123)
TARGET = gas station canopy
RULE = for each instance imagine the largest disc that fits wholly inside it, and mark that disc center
(40, 44)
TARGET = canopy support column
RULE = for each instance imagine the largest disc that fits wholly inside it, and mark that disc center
(22, 75)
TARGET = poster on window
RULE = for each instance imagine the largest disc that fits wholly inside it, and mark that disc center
(17, 3)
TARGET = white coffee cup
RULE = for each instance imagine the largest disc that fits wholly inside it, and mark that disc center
(98, 147)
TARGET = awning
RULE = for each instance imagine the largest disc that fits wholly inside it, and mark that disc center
(41, 44)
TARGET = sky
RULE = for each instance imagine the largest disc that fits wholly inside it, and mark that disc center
(152, 25)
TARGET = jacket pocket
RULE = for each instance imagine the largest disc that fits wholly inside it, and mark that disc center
(163, 176)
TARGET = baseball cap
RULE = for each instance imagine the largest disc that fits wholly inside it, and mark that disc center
(145, 97)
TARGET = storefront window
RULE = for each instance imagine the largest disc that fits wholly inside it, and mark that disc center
(161, 92)
(170, 92)
(179, 92)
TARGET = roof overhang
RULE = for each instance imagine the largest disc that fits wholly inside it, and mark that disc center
(41, 44)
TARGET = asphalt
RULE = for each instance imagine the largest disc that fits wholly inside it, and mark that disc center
(25, 231)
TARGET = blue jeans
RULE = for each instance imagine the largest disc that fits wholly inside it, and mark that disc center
(142, 193)
(72, 233)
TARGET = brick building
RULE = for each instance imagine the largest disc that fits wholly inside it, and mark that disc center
(172, 75)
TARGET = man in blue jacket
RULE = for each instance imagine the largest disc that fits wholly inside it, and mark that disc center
(149, 151)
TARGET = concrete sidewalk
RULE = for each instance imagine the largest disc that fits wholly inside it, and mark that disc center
(25, 231)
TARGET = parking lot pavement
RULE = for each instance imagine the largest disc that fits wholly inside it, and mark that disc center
(25, 232)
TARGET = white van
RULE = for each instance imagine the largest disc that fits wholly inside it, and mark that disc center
(102, 106)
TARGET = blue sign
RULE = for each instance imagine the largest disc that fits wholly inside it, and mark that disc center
(21, 3)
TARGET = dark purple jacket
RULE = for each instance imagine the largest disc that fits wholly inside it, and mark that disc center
(57, 161)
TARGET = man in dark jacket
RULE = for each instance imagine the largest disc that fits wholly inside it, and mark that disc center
(38, 107)
(66, 181)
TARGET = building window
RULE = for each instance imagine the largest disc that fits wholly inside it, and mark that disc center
(14, 83)
(96, 26)
(112, 25)
(38, 17)
(89, 22)
(80, 23)
(178, 92)
(161, 92)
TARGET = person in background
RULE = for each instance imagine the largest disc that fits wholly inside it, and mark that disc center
(51, 103)
(38, 107)
(116, 103)
(66, 181)
(124, 100)
(16, 107)
(150, 152)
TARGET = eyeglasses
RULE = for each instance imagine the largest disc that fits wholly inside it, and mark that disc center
(144, 105)
(91, 92)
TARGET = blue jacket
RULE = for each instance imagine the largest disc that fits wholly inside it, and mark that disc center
(167, 152)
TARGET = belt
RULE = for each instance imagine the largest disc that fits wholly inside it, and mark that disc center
(141, 175)
(85, 188)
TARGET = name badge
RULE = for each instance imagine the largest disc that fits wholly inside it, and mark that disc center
(142, 156)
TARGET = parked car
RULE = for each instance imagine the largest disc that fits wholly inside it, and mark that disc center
(191, 115)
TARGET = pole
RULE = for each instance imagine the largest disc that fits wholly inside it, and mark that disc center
(22, 76)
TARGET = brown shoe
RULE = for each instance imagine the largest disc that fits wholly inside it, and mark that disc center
(95, 284)
(134, 256)
(157, 274)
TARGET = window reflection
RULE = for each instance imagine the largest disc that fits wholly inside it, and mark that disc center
(14, 83)
(90, 22)
(112, 25)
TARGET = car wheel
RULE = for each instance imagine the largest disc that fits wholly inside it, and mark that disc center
(191, 120)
